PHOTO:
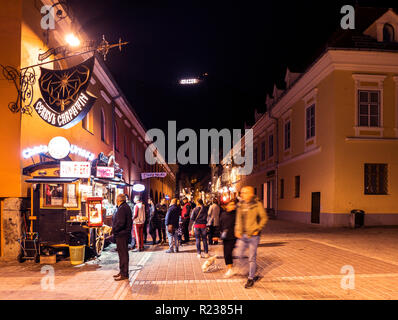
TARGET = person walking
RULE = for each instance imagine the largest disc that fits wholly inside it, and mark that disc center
(139, 222)
(199, 218)
(121, 229)
(153, 221)
(250, 220)
(171, 224)
(161, 210)
(185, 214)
(213, 222)
(146, 223)
(227, 229)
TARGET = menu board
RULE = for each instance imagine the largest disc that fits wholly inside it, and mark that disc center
(75, 169)
(94, 211)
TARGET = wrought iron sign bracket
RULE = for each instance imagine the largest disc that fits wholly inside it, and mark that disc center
(25, 78)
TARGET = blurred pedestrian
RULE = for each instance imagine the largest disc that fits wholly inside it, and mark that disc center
(139, 222)
(227, 229)
(172, 223)
(185, 214)
(161, 210)
(153, 221)
(199, 218)
(213, 222)
(250, 220)
(121, 229)
(146, 223)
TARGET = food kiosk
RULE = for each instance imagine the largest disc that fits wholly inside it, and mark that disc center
(72, 203)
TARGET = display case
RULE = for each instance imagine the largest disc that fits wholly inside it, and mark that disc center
(94, 211)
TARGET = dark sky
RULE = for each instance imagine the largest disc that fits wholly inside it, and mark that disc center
(244, 46)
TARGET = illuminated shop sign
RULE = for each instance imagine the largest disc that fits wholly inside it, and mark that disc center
(138, 187)
(105, 172)
(75, 169)
(146, 175)
(65, 100)
(58, 148)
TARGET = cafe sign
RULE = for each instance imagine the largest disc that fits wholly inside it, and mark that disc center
(146, 175)
(105, 172)
(65, 100)
(75, 169)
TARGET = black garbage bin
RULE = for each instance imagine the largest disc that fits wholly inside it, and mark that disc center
(359, 218)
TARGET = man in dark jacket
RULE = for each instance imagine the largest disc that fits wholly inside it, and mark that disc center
(161, 210)
(185, 214)
(121, 229)
(172, 222)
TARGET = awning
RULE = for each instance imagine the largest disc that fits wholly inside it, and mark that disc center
(51, 180)
(118, 183)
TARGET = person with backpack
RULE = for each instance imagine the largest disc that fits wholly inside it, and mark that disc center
(250, 220)
(199, 218)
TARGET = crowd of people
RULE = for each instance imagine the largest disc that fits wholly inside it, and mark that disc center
(238, 223)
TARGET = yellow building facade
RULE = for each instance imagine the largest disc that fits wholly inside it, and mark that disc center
(110, 126)
(328, 143)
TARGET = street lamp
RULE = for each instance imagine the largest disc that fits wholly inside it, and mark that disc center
(72, 40)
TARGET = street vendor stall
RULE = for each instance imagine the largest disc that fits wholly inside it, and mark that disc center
(72, 203)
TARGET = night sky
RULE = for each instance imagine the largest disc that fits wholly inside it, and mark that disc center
(244, 46)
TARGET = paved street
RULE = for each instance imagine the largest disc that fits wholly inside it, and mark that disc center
(295, 262)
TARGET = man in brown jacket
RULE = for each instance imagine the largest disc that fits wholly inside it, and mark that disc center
(250, 220)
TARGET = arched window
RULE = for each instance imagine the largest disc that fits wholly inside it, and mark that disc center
(151, 194)
(102, 125)
(116, 136)
(156, 197)
(388, 33)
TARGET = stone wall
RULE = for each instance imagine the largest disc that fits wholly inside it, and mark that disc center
(13, 223)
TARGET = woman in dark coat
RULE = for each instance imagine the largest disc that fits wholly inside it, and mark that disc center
(227, 226)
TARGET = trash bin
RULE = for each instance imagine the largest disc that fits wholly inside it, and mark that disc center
(357, 218)
(76, 254)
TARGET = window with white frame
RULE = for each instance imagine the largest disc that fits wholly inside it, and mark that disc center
(368, 103)
(369, 108)
(310, 122)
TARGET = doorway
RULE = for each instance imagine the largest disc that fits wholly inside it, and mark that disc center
(315, 207)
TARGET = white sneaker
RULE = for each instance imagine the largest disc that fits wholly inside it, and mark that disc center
(206, 255)
(199, 256)
(229, 273)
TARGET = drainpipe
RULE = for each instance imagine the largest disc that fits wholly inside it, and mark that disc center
(277, 160)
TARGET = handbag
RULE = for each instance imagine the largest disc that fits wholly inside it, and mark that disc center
(170, 228)
(192, 232)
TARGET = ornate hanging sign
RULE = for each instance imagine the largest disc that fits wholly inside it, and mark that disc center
(65, 100)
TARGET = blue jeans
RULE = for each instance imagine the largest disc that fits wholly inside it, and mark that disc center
(201, 234)
(172, 236)
(251, 243)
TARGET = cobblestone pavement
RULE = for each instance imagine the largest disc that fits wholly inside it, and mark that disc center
(294, 262)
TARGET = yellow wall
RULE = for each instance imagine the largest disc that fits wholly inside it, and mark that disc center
(352, 155)
(10, 37)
